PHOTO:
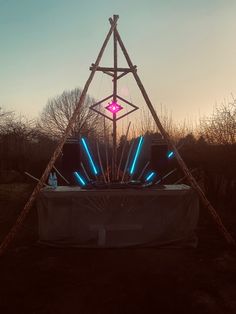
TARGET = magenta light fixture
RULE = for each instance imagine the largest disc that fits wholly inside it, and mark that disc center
(114, 107)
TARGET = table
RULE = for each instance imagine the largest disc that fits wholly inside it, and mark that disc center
(157, 216)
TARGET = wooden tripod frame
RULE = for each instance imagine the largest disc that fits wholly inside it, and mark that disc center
(114, 73)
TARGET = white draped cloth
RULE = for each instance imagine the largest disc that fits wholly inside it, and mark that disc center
(155, 217)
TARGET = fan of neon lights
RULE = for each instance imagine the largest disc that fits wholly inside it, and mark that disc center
(133, 161)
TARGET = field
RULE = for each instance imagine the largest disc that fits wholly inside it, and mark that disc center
(35, 279)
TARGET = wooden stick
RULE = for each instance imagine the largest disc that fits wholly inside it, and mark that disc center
(36, 179)
(108, 73)
(58, 172)
(182, 164)
(111, 69)
(100, 163)
(123, 150)
(166, 175)
(122, 74)
(127, 160)
(106, 151)
(114, 132)
(21, 218)
(184, 177)
(144, 168)
(85, 172)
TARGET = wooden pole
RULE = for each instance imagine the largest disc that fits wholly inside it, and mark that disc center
(106, 143)
(123, 150)
(85, 172)
(36, 179)
(100, 163)
(185, 177)
(182, 164)
(21, 218)
(127, 160)
(58, 172)
(114, 135)
(166, 176)
(144, 168)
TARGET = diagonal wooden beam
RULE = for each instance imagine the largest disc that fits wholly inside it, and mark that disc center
(181, 162)
(108, 73)
(123, 74)
(122, 152)
(22, 216)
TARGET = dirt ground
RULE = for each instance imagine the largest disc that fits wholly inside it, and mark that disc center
(36, 279)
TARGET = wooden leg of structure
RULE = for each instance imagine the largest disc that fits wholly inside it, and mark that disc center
(182, 164)
(21, 218)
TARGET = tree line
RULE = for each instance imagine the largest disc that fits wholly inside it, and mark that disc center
(26, 145)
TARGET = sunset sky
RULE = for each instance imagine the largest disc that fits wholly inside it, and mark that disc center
(185, 51)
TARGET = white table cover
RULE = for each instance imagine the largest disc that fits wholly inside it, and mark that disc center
(70, 216)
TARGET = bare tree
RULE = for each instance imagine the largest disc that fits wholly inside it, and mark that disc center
(22, 145)
(58, 111)
(176, 130)
(5, 117)
(220, 128)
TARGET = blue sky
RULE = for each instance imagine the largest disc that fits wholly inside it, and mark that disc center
(185, 51)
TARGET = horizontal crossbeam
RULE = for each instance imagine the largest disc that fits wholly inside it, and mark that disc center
(108, 69)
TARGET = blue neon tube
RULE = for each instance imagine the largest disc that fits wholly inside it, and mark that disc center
(95, 171)
(170, 154)
(136, 154)
(80, 178)
(150, 176)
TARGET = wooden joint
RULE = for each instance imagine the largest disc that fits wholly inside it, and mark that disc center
(114, 19)
(134, 69)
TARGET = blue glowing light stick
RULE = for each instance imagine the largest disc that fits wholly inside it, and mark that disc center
(137, 153)
(170, 154)
(150, 176)
(95, 171)
(79, 178)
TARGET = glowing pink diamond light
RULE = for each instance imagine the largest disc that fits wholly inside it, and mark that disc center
(114, 107)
